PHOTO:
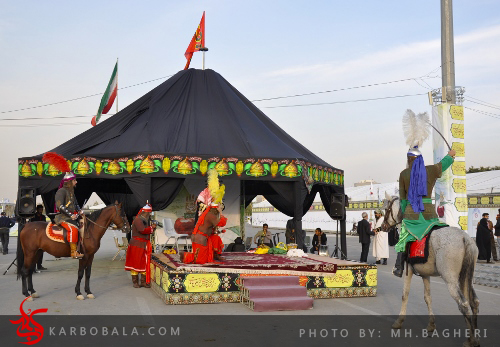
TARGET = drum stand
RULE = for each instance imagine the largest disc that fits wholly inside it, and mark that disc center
(18, 240)
(13, 263)
(337, 250)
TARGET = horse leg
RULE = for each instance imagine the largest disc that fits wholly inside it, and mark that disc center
(474, 304)
(24, 275)
(27, 272)
(33, 292)
(463, 306)
(88, 270)
(406, 291)
(471, 298)
(81, 268)
(431, 326)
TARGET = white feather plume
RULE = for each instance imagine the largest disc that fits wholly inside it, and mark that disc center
(416, 128)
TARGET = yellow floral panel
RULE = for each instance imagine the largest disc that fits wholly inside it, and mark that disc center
(201, 283)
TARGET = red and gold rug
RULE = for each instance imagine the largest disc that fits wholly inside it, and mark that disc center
(249, 263)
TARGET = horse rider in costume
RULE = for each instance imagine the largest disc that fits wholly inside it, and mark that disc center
(66, 206)
(139, 248)
(416, 183)
(207, 245)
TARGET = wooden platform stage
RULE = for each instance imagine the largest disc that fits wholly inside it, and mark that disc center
(324, 277)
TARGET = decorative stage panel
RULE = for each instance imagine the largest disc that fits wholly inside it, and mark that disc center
(176, 283)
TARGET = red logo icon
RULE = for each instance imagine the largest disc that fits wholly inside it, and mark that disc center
(32, 334)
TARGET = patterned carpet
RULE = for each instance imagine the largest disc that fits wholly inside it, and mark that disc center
(258, 263)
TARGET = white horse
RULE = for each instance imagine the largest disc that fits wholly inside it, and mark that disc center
(452, 255)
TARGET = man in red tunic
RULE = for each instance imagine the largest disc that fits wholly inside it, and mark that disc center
(139, 248)
(207, 245)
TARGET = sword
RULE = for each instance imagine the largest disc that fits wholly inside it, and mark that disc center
(433, 127)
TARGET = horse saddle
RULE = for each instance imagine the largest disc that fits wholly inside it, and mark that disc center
(57, 233)
(419, 250)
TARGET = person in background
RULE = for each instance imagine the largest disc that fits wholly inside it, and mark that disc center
(381, 241)
(354, 228)
(497, 228)
(492, 240)
(483, 240)
(39, 217)
(364, 232)
(263, 237)
(319, 238)
(236, 246)
(290, 235)
(5, 224)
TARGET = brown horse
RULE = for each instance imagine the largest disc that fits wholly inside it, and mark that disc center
(33, 240)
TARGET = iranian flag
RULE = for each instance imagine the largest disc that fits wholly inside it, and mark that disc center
(109, 96)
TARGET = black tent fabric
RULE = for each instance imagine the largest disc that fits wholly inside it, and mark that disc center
(195, 112)
(194, 121)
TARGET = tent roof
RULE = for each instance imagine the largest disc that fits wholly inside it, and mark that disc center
(195, 112)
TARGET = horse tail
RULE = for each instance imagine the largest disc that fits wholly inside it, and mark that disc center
(467, 272)
(19, 254)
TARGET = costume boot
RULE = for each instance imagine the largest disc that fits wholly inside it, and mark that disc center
(74, 253)
(143, 282)
(384, 261)
(135, 281)
(400, 265)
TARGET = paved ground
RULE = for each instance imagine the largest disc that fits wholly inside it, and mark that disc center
(115, 295)
(487, 275)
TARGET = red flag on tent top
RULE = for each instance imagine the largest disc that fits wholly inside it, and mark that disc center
(371, 188)
(197, 42)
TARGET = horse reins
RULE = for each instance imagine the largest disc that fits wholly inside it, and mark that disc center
(100, 226)
(389, 211)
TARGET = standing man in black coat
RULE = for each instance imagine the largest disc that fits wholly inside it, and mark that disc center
(5, 224)
(364, 231)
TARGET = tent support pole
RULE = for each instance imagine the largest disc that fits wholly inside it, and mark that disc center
(203, 49)
(343, 238)
(242, 209)
(299, 203)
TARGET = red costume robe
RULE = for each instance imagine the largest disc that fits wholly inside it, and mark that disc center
(204, 252)
(139, 248)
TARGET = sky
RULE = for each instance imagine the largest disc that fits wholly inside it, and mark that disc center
(60, 50)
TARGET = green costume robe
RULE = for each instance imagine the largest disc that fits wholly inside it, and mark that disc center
(416, 225)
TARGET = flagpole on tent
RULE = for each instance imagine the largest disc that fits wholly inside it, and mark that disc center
(116, 85)
(204, 49)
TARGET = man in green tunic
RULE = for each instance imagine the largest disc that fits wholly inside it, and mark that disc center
(415, 189)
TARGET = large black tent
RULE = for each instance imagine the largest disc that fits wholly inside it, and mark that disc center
(192, 122)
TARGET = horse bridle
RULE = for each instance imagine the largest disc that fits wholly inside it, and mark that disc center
(116, 213)
(389, 213)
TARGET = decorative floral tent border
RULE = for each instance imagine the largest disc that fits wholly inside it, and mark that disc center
(176, 165)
